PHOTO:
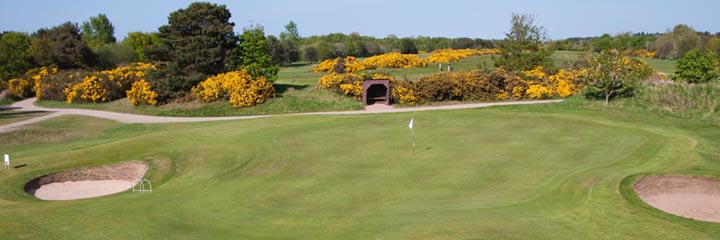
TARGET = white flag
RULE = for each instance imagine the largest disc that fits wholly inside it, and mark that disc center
(411, 123)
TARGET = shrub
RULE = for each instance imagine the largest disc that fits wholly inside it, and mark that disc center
(37, 76)
(237, 86)
(351, 65)
(20, 87)
(404, 95)
(348, 84)
(698, 67)
(83, 86)
(141, 93)
(454, 55)
(538, 91)
(94, 89)
(394, 60)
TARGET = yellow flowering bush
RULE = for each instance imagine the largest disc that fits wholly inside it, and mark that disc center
(252, 93)
(454, 55)
(37, 75)
(237, 86)
(326, 66)
(567, 82)
(352, 65)
(382, 76)
(538, 91)
(142, 93)
(348, 84)
(394, 60)
(539, 84)
(639, 53)
(404, 95)
(19, 87)
(84, 86)
(125, 76)
(94, 89)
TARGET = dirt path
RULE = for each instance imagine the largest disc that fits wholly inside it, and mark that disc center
(28, 105)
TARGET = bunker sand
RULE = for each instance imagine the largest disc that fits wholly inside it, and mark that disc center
(687, 196)
(87, 182)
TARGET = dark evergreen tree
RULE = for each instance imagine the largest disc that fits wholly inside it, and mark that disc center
(407, 46)
(61, 46)
(278, 51)
(197, 42)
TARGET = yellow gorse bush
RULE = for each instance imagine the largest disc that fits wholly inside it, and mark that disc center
(404, 95)
(237, 86)
(142, 93)
(538, 91)
(90, 89)
(540, 85)
(639, 53)
(126, 75)
(454, 55)
(352, 65)
(394, 60)
(37, 76)
(326, 66)
(107, 85)
(19, 87)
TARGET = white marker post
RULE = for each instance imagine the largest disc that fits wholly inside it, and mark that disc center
(7, 161)
(413, 133)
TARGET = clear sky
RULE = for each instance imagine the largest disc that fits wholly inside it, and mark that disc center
(379, 18)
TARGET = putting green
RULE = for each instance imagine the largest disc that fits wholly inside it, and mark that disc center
(509, 172)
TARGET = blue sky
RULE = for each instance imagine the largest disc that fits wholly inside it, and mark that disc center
(379, 18)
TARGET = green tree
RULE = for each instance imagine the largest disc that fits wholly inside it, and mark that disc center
(112, 55)
(98, 31)
(713, 45)
(310, 53)
(407, 46)
(698, 67)
(61, 46)
(198, 41)
(611, 75)
(278, 51)
(140, 42)
(522, 48)
(291, 40)
(685, 39)
(16, 56)
(463, 43)
(255, 55)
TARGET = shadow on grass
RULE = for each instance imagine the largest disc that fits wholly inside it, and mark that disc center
(282, 88)
(17, 114)
(299, 64)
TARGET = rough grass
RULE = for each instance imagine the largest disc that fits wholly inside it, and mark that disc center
(555, 171)
(698, 101)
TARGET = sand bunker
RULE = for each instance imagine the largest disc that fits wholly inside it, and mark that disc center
(87, 182)
(688, 196)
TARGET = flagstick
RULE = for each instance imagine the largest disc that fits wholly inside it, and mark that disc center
(413, 134)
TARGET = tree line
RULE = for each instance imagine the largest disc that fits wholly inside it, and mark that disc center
(672, 44)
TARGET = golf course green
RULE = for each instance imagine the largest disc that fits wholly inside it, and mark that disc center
(555, 171)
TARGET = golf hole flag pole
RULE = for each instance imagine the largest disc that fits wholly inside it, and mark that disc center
(412, 120)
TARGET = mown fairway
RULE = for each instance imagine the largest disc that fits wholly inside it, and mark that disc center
(527, 172)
